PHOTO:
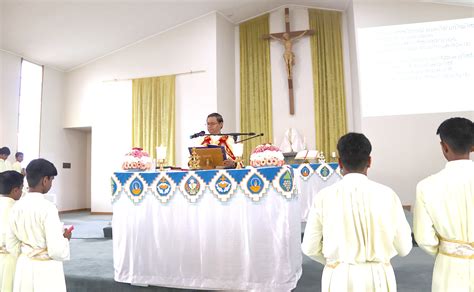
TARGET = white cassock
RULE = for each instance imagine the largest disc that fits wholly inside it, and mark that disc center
(37, 236)
(16, 166)
(5, 165)
(354, 228)
(7, 260)
(443, 224)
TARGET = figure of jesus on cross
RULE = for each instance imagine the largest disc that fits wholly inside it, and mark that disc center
(287, 38)
(289, 56)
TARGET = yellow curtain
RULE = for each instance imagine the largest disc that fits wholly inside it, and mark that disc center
(255, 82)
(328, 78)
(153, 115)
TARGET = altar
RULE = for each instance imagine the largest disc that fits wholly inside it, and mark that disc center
(310, 178)
(212, 229)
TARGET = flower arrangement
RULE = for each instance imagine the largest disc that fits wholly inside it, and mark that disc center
(266, 155)
(137, 159)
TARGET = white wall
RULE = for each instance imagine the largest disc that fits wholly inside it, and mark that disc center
(88, 169)
(106, 106)
(56, 144)
(10, 67)
(354, 97)
(406, 148)
(60, 145)
(226, 97)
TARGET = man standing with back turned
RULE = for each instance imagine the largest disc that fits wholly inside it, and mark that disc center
(443, 219)
(356, 226)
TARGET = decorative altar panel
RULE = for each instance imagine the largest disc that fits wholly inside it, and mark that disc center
(214, 229)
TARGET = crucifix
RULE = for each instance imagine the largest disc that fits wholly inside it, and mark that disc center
(287, 38)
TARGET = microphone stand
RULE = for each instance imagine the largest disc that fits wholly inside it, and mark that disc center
(235, 135)
(249, 138)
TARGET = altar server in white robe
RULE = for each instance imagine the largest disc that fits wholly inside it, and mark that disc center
(356, 226)
(37, 234)
(444, 210)
(4, 163)
(11, 185)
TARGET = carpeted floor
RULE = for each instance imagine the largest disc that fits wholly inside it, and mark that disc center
(91, 266)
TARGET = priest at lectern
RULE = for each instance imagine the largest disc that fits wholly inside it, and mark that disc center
(215, 123)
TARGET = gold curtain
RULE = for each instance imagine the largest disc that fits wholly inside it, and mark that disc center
(153, 115)
(328, 78)
(255, 82)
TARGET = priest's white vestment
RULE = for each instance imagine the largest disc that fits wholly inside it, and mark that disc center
(7, 260)
(443, 225)
(354, 228)
(37, 236)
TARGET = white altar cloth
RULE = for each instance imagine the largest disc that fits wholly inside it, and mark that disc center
(235, 245)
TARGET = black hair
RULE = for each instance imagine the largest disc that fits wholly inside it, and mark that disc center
(37, 169)
(8, 180)
(5, 151)
(354, 151)
(18, 154)
(458, 133)
(218, 117)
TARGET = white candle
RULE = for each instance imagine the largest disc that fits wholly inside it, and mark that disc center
(238, 149)
(333, 154)
(161, 152)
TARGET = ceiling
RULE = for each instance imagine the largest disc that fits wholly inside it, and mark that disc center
(65, 34)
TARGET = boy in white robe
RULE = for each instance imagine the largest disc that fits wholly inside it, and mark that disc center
(11, 185)
(356, 226)
(4, 163)
(16, 166)
(443, 219)
(37, 234)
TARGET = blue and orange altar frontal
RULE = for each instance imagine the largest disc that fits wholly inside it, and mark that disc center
(253, 182)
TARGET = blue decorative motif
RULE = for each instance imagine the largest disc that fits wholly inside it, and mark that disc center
(114, 186)
(177, 176)
(239, 174)
(123, 177)
(136, 187)
(192, 186)
(286, 181)
(207, 175)
(149, 177)
(334, 165)
(223, 185)
(255, 184)
(325, 172)
(305, 171)
(163, 187)
(269, 172)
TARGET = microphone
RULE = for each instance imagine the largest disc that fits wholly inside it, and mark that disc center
(202, 133)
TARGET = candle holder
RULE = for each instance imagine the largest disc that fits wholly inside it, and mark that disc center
(161, 156)
(161, 163)
(194, 160)
(238, 152)
(321, 158)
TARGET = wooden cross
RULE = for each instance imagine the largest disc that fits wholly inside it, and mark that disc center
(287, 39)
